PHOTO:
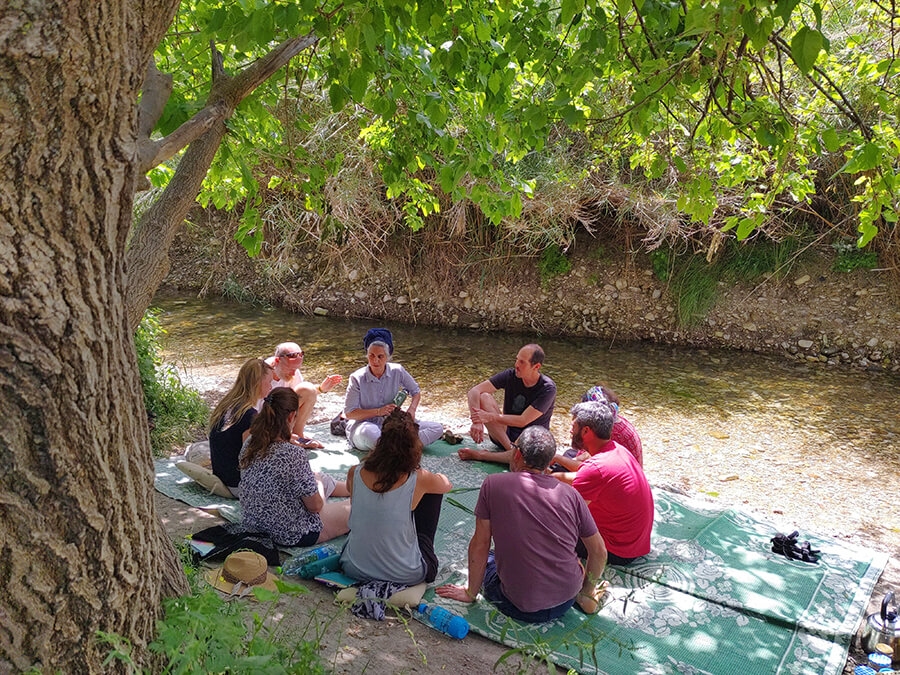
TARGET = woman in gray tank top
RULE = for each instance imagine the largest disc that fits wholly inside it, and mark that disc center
(394, 510)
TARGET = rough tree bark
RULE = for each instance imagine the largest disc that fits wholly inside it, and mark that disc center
(81, 548)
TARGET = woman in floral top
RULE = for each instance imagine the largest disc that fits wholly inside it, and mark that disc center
(280, 494)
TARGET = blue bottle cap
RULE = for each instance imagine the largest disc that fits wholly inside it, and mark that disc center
(878, 660)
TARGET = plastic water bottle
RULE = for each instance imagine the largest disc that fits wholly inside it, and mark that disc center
(292, 565)
(312, 569)
(444, 620)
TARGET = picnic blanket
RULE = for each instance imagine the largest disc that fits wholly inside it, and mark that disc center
(711, 597)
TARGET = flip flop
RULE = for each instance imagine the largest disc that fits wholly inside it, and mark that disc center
(309, 443)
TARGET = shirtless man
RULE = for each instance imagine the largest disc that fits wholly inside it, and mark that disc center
(286, 363)
(528, 399)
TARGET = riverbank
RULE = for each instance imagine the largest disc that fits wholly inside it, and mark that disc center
(808, 312)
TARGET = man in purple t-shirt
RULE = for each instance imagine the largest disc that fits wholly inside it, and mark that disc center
(533, 574)
(528, 399)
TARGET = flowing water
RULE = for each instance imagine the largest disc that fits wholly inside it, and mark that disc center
(781, 436)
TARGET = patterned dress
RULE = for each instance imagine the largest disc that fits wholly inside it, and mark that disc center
(272, 491)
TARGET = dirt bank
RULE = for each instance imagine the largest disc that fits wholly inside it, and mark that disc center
(810, 313)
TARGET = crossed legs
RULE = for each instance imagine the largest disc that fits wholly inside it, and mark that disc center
(497, 433)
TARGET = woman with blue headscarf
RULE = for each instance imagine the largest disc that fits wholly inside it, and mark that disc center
(376, 389)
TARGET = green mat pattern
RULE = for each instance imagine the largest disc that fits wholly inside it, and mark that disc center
(710, 597)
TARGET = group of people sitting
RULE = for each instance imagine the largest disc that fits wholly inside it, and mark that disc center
(549, 512)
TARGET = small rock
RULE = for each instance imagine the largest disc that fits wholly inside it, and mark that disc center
(401, 300)
(872, 343)
(387, 298)
(729, 477)
(721, 435)
(463, 294)
(799, 281)
(353, 275)
(804, 344)
(320, 311)
(621, 284)
(656, 294)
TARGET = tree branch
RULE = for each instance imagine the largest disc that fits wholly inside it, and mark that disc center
(147, 260)
(154, 153)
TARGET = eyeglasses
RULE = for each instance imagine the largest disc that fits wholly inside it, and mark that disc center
(291, 355)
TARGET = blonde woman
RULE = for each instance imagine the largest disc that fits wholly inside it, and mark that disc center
(229, 424)
(228, 429)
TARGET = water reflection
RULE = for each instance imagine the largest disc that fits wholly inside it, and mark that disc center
(726, 389)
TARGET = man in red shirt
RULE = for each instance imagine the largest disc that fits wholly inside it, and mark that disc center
(612, 483)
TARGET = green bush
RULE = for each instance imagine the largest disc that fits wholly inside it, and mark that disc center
(175, 412)
(850, 258)
(554, 263)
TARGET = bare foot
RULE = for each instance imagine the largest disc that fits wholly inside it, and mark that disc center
(587, 604)
(309, 443)
(467, 453)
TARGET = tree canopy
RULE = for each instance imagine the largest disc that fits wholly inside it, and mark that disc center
(739, 109)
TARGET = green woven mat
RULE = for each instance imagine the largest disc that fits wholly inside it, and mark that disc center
(710, 598)
(334, 459)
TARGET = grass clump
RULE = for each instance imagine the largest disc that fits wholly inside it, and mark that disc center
(174, 410)
(201, 633)
(694, 282)
(850, 257)
(553, 263)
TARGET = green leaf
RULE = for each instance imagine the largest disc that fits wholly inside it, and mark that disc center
(831, 140)
(337, 96)
(358, 82)
(864, 158)
(569, 9)
(805, 47)
(250, 232)
(784, 9)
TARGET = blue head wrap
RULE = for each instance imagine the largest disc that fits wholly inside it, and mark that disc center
(379, 335)
(596, 394)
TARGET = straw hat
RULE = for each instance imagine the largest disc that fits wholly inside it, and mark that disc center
(242, 572)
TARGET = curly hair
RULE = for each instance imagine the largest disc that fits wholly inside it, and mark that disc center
(243, 393)
(397, 452)
(270, 425)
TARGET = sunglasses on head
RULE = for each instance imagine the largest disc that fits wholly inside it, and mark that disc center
(292, 355)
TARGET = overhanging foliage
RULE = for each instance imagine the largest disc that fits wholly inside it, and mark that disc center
(739, 109)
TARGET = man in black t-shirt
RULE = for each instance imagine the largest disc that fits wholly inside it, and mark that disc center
(528, 399)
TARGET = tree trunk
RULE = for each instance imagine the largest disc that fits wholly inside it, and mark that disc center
(81, 547)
